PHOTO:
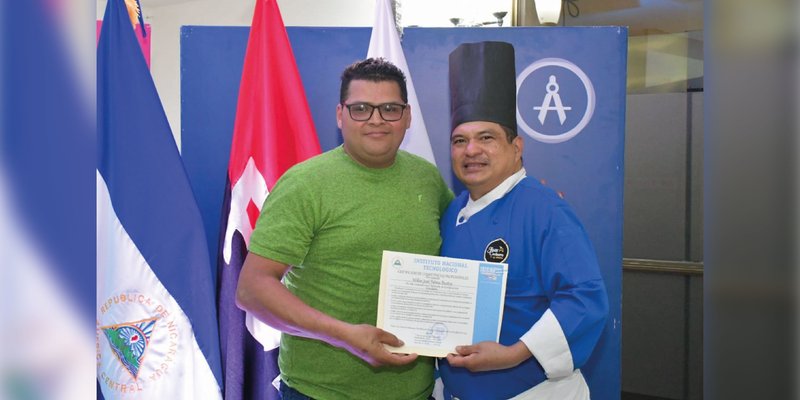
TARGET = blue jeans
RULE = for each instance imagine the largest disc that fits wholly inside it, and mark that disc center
(288, 393)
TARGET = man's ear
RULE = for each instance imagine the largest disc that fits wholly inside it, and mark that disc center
(519, 145)
(339, 109)
(408, 111)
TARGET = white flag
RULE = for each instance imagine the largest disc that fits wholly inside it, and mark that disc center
(385, 42)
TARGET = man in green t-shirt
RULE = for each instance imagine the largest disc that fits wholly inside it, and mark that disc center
(324, 226)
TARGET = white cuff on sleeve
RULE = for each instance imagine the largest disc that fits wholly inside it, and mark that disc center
(546, 341)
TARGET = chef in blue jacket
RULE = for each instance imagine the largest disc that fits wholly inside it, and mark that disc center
(556, 302)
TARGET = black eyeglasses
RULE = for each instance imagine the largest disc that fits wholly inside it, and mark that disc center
(390, 112)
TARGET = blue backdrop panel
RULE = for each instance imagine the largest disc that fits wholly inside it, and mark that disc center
(583, 69)
(211, 67)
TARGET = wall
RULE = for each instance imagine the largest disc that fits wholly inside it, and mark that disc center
(166, 18)
(663, 176)
(662, 302)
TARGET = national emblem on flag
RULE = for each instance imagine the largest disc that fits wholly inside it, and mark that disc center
(129, 342)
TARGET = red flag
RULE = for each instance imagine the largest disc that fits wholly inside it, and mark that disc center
(272, 132)
(273, 121)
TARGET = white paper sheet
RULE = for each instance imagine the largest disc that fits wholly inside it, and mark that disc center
(434, 304)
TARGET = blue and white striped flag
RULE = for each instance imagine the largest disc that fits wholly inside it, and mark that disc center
(156, 318)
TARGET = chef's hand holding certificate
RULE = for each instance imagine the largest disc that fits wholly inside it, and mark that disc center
(434, 304)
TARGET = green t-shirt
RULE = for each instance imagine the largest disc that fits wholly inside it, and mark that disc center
(331, 218)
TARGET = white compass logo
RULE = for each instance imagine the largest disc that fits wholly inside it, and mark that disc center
(553, 101)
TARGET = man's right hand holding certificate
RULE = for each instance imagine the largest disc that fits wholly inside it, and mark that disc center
(489, 356)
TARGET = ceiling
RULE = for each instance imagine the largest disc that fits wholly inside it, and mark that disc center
(641, 16)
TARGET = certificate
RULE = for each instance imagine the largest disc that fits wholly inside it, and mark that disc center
(434, 304)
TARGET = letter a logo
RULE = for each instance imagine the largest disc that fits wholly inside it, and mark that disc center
(551, 97)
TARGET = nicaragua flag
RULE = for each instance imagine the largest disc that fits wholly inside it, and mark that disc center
(273, 130)
(385, 42)
(156, 321)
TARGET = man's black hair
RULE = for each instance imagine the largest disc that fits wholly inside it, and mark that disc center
(510, 134)
(373, 70)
